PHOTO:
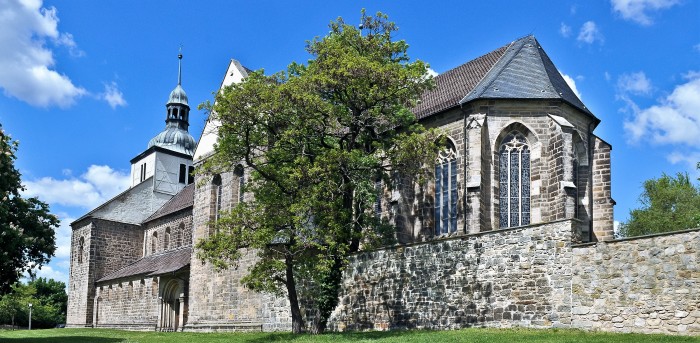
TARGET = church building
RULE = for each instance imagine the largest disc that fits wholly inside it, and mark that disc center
(521, 180)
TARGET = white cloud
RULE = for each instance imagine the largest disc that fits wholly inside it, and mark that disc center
(636, 10)
(98, 184)
(674, 120)
(63, 234)
(565, 30)
(432, 72)
(50, 273)
(572, 83)
(589, 33)
(634, 83)
(26, 62)
(113, 95)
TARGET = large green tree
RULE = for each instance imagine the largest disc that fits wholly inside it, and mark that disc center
(316, 139)
(48, 298)
(668, 204)
(26, 226)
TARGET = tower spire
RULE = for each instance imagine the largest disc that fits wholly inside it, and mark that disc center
(179, 67)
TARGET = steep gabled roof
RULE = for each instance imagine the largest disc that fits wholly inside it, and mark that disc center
(519, 70)
(182, 200)
(159, 264)
(130, 201)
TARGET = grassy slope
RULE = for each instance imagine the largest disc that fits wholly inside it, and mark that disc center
(467, 335)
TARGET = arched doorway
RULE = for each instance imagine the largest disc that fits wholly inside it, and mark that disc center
(170, 307)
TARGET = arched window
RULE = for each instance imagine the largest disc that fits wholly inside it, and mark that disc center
(154, 242)
(216, 195)
(180, 234)
(446, 190)
(514, 181)
(239, 172)
(81, 248)
(166, 239)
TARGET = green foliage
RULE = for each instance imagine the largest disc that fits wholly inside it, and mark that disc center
(26, 226)
(668, 204)
(48, 298)
(314, 139)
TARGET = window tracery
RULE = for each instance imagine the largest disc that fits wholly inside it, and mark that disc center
(514, 181)
(446, 190)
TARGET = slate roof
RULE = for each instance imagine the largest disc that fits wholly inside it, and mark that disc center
(182, 200)
(519, 70)
(452, 85)
(167, 262)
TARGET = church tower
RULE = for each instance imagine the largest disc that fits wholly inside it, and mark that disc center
(111, 236)
(168, 158)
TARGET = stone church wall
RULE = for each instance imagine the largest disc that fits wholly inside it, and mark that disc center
(217, 299)
(172, 232)
(108, 246)
(127, 304)
(501, 278)
(645, 284)
(80, 290)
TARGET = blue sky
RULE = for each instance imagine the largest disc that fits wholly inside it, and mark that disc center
(84, 83)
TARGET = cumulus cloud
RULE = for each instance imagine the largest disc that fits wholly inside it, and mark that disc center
(49, 272)
(113, 96)
(98, 184)
(565, 30)
(634, 83)
(572, 83)
(26, 63)
(675, 119)
(637, 10)
(589, 33)
(63, 236)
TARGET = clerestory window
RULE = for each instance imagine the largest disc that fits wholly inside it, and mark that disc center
(514, 181)
(446, 190)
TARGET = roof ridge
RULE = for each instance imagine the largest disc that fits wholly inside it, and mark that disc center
(505, 61)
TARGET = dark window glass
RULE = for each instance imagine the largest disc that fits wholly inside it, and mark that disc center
(446, 191)
(514, 181)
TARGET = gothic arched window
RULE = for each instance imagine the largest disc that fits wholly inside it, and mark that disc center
(514, 181)
(446, 190)
(217, 191)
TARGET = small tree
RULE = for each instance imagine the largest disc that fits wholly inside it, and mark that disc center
(315, 139)
(14, 304)
(26, 226)
(668, 204)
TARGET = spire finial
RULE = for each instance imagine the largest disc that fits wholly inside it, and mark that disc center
(179, 66)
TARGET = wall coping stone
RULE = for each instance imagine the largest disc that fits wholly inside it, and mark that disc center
(461, 236)
(626, 239)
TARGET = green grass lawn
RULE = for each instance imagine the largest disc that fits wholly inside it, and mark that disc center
(466, 335)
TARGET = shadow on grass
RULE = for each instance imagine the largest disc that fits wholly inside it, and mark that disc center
(64, 339)
(344, 337)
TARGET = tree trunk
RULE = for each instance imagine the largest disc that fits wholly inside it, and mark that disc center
(297, 319)
(327, 298)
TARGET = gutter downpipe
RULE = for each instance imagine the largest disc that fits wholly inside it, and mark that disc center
(591, 149)
(464, 172)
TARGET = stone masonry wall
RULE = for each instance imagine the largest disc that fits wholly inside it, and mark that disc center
(646, 284)
(81, 278)
(502, 278)
(108, 246)
(127, 304)
(217, 299)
